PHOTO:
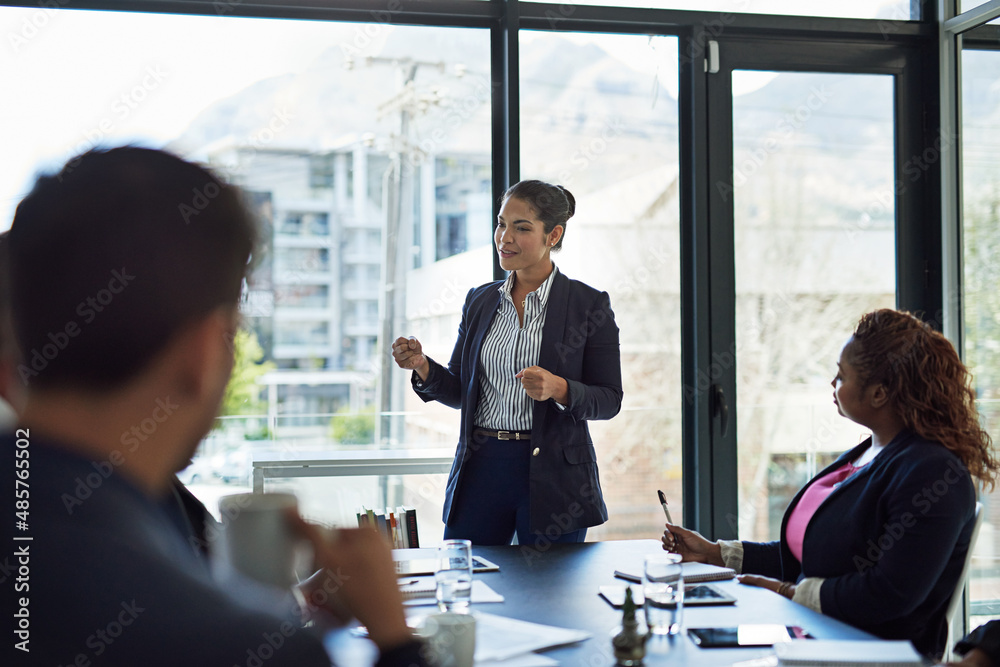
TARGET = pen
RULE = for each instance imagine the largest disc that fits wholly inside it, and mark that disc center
(663, 504)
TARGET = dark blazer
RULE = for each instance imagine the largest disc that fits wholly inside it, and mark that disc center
(580, 344)
(891, 542)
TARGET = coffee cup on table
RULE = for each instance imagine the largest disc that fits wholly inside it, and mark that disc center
(449, 639)
(259, 536)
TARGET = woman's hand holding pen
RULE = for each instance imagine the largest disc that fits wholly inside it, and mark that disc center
(691, 545)
(409, 355)
(542, 385)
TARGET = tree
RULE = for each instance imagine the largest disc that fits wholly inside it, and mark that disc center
(242, 395)
(354, 429)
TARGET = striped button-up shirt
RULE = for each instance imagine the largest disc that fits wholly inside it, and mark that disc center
(508, 349)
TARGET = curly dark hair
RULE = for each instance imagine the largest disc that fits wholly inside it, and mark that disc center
(927, 382)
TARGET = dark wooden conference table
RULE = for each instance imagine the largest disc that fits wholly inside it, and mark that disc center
(559, 586)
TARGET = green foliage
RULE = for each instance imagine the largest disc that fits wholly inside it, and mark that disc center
(354, 429)
(242, 395)
(982, 299)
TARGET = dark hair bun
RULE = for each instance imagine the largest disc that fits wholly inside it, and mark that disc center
(570, 199)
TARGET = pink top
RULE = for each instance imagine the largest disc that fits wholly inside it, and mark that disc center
(795, 529)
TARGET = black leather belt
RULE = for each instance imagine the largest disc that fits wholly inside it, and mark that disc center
(502, 435)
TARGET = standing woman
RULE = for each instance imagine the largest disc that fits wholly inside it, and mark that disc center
(879, 538)
(537, 356)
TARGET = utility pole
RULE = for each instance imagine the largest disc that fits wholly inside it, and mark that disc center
(397, 238)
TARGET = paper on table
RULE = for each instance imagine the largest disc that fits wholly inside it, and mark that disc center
(526, 660)
(481, 592)
(500, 638)
(833, 652)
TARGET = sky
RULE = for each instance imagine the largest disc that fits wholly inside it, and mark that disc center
(73, 78)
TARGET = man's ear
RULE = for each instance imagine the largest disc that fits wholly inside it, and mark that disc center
(203, 351)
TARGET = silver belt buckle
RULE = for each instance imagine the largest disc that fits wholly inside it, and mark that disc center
(504, 435)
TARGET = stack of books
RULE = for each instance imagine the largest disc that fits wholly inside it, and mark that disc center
(399, 526)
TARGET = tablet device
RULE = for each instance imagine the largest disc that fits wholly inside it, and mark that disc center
(407, 566)
(694, 595)
(746, 635)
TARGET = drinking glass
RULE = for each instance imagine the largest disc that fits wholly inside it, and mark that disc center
(663, 588)
(453, 577)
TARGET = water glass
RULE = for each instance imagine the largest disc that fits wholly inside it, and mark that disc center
(453, 577)
(663, 588)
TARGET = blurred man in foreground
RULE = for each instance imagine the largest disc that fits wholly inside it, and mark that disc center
(126, 273)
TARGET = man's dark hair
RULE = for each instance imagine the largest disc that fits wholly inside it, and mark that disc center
(113, 255)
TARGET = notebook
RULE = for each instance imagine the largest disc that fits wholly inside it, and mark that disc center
(847, 653)
(694, 595)
(416, 562)
(693, 573)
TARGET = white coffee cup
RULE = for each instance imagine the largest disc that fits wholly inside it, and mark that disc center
(450, 639)
(259, 537)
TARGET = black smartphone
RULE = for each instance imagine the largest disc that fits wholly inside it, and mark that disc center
(742, 636)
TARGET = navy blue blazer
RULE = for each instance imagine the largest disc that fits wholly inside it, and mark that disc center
(580, 344)
(891, 542)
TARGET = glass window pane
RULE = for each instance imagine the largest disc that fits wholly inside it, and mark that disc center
(966, 5)
(815, 249)
(599, 116)
(343, 134)
(886, 10)
(981, 303)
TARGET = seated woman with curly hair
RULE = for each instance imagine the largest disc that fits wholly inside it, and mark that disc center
(878, 539)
